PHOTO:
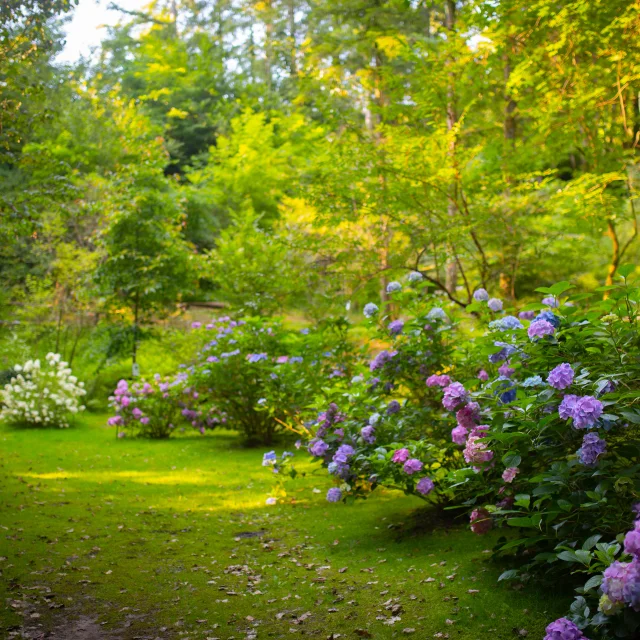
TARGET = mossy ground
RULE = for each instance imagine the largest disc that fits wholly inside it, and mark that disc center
(172, 539)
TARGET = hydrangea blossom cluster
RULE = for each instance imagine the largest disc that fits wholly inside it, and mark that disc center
(43, 395)
(495, 304)
(592, 448)
(415, 276)
(563, 629)
(481, 522)
(381, 359)
(508, 323)
(621, 580)
(395, 327)
(561, 377)
(585, 410)
(481, 295)
(392, 287)
(454, 395)
(540, 329)
(370, 310)
(438, 381)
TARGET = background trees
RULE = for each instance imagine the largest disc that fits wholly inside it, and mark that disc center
(482, 143)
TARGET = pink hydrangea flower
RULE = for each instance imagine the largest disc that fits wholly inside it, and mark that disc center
(459, 435)
(438, 381)
(401, 455)
(510, 473)
(469, 415)
(480, 521)
(483, 375)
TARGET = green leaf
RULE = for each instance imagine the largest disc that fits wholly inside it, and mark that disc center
(568, 556)
(626, 270)
(511, 459)
(523, 500)
(591, 542)
(508, 575)
(560, 287)
(593, 582)
(520, 522)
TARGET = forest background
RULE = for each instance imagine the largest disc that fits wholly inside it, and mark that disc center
(292, 157)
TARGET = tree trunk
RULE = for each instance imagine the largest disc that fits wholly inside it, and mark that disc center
(451, 277)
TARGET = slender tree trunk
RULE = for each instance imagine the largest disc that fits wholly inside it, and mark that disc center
(507, 278)
(451, 277)
(293, 66)
(134, 352)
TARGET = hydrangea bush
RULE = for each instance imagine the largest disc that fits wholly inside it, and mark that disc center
(46, 394)
(532, 427)
(158, 407)
(263, 376)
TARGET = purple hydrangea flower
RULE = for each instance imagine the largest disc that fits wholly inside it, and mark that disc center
(509, 474)
(495, 304)
(483, 375)
(318, 448)
(381, 359)
(561, 377)
(438, 381)
(459, 435)
(400, 455)
(563, 629)
(480, 295)
(469, 415)
(615, 578)
(344, 452)
(196, 325)
(412, 466)
(551, 301)
(424, 486)
(586, 412)
(393, 407)
(565, 410)
(592, 447)
(505, 370)
(632, 543)
(334, 494)
(540, 328)
(144, 420)
(368, 434)
(527, 315)
(454, 395)
(396, 327)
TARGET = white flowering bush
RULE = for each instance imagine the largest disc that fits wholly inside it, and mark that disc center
(42, 394)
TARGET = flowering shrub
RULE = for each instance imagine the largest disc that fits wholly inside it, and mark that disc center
(384, 426)
(42, 394)
(262, 376)
(156, 408)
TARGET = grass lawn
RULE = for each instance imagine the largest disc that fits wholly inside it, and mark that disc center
(106, 538)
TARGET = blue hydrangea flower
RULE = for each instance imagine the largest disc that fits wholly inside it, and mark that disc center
(551, 318)
(370, 310)
(508, 323)
(533, 381)
(414, 276)
(392, 287)
(334, 494)
(436, 314)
